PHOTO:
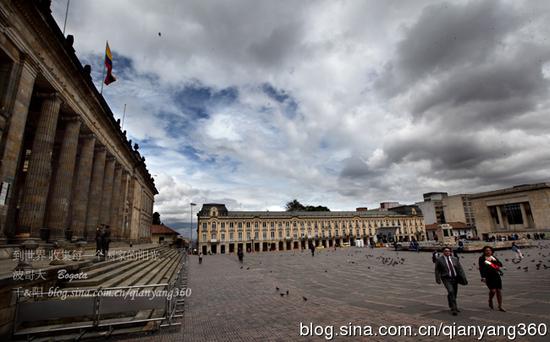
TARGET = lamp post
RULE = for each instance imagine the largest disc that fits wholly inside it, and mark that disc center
(191, 205)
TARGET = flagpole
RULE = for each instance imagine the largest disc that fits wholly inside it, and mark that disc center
(103, 74)
(123, 116)
(66, 15)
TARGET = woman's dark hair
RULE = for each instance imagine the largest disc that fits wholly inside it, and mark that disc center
(491, 248)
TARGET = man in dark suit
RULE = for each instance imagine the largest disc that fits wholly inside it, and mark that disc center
(449, 271)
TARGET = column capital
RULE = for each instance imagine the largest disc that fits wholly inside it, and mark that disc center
(88, 136)
(71, 118)
(28, 63)
(53, 95)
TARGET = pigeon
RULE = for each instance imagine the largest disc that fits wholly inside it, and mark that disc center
(304, 298)
(282, 294)
(248, 268)
(241, 267)
(326, 271)
(519, 267)
(160, 34)
(287, 292)
(276, 288)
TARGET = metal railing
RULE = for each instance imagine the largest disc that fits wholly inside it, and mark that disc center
(96, 308)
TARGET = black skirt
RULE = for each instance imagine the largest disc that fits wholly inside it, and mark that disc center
(493, 281)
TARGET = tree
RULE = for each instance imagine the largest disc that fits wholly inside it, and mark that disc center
(294, 205)
(156, 218)
(317, 208)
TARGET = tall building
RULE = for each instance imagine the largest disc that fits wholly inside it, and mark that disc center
(458, 209)
(522, 210)
(223, 231)
(67, 166)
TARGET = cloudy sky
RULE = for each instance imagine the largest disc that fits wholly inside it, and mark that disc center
(338, 103)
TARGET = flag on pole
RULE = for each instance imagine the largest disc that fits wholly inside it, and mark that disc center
(109, 78)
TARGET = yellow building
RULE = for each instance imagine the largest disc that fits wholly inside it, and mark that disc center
(223, 231)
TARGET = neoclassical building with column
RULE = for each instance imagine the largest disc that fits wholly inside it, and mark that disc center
(223, 231)
(66, 166)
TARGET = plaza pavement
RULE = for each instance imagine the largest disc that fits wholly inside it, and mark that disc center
(230, 303)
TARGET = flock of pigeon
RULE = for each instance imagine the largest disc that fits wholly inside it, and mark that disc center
(397, 260)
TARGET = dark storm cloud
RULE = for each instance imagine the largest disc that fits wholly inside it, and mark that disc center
(471, 77)
(273, 50)
(504, 87)
(446, 36)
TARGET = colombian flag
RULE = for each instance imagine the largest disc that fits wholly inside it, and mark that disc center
(109, 78)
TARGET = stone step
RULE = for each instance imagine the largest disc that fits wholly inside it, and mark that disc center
(166, 275)
(101, 276)
(148, 270)
(139, 271)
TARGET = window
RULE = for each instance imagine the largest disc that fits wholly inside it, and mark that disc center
(240, 236)
(230, 224)
(203, 236)
(256, 235)
(272, 234)
(204, 226)
(222, 225)
(231, 236)
(213, 225)
(223, 236)
(240, 225)
(264, 235)
(213, 236)
(248, 225)
(513, 213)
(248, 235)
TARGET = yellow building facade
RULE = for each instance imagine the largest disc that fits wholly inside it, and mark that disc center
(223, 231)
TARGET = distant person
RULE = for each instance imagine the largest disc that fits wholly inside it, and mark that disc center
(240, 255)
(106, 240)
(489, 269)
(98, 241)
(449, 271)
(312, 247)
(200, 258)
(435, 255)
(395, 245)
(516, 250)
(460, 246)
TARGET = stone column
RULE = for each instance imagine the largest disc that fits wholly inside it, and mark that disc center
(525, 219)
(61, 192)
(107, 194)
(122, 210)
(96, 189)
(37, 182)
(116, 228)
(81, 190)
(499, 215)
(18, 93)
(130, 204)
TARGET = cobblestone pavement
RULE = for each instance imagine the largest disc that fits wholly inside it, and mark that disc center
(230, 303)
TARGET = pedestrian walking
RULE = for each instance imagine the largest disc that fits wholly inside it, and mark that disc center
(200, 258)
(240, 254)
(489, 269)
(516, 250)
(449, 271)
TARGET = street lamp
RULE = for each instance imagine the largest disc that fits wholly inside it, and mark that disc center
(191, 205)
